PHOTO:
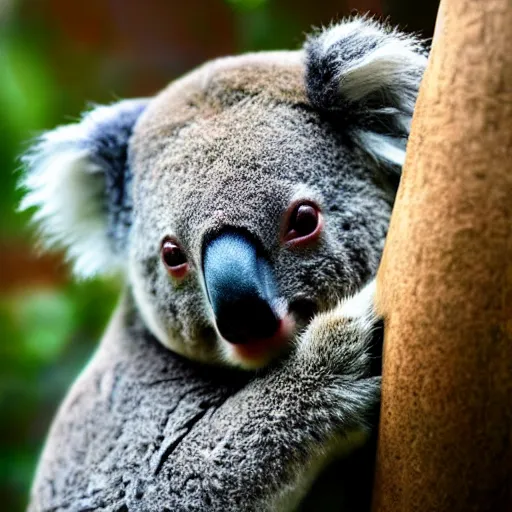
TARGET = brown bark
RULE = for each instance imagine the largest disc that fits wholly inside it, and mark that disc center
(446, 280)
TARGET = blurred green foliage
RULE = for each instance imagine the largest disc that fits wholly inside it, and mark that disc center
(247, 4)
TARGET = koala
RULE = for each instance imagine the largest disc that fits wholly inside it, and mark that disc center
(246, 207)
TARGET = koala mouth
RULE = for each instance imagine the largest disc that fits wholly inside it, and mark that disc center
(257, 352)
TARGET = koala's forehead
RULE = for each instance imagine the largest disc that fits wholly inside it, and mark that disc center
(212, 96)
(219, 85)
(248, 109)
(231, 136)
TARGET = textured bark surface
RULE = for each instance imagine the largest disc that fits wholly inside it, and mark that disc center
(446, 280)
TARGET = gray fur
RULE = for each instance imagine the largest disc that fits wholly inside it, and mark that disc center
(233, 144)
(367, 76)
(144, 430)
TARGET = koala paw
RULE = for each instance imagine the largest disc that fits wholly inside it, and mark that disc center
(344, 338)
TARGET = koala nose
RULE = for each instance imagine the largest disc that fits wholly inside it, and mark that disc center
(240, 288)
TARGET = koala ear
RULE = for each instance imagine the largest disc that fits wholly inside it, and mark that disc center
(366, 76)
(78, 177)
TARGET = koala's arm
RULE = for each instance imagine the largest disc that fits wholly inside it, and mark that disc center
(148, 431)
(274, 437)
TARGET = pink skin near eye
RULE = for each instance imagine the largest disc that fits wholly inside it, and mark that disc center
(303, 224)
(174, 258)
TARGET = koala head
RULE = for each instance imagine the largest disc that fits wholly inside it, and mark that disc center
(246, 196)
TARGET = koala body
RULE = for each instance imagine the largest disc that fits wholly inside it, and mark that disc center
(246, 199)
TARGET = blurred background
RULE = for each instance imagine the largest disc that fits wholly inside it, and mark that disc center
(56, 56)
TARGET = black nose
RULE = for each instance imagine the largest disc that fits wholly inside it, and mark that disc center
(240, 288)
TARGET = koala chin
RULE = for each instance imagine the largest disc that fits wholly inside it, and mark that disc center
(245, 200)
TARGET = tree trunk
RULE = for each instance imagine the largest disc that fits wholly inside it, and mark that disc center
(446, 280)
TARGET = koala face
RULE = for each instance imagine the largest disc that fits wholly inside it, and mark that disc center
(251, 153)
(246, 197)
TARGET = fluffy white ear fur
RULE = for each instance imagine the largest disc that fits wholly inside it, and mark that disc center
(365, 60)
(384, 148)
(66, 179)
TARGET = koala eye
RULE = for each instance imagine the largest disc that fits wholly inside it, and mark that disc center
(304, 223)
(174, 258)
